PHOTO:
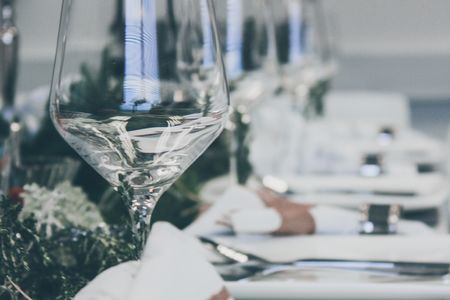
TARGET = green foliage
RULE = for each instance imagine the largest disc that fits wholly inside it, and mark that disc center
(54, 267)
(315, 105)
(98, 91)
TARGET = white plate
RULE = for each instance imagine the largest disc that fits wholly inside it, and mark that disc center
(333, 284)
(360, 291)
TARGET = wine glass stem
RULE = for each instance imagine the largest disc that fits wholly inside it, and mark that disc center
(141, 209)
(238, 131)
(233, 145)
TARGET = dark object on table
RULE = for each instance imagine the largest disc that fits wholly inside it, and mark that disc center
(429, 216)
(386, 135)
(372, 165)
(425, 168)
(379, 219)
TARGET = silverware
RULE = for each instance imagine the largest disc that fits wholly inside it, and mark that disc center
(280, 186)
(256, 264)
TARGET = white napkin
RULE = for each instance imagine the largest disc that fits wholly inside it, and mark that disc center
(256, 221)
(247, 214)
(172, 268)
(234, 199)
(242, 208)
(334, 220)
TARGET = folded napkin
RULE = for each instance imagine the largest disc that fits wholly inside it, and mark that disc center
(233, 200)
(244, 212)
(238, 209)
(260, 220)
(172, 267)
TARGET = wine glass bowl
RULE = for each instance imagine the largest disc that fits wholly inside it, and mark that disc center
(303, 48)
(248, 43)
(148, 98)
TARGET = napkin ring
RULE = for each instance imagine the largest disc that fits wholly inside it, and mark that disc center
(379, 219)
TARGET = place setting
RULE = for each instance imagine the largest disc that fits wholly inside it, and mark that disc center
(217, 150)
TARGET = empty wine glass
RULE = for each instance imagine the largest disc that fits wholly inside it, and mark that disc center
(304, 50)
(142, 98)
(248, 43)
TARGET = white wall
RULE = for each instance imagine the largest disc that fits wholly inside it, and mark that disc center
(38, 24)
(392, 27)
(400, 45)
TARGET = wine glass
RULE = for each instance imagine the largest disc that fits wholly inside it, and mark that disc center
(320, 69)
(304, 51)
(248, 43)
(142, 98)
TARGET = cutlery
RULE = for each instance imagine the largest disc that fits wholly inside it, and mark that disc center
(256, 263)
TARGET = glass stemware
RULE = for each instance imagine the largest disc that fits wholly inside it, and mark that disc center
(304, 51)
(139, 100)
(303, 55)
(248, 44)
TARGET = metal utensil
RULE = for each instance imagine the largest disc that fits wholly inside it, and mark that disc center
(258, 264)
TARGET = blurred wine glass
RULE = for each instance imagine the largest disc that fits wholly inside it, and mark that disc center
(306, 65)
(304, 50)
(142, 99)
(45, 171)
(248, 42)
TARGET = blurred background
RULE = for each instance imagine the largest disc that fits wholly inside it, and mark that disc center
(381, 45)
(383, 155)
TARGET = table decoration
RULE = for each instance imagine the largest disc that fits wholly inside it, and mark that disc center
(51, 254)
(64, 206)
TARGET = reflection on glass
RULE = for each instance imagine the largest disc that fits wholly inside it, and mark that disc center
(304, 52)
(248, 44)
(141, 115)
